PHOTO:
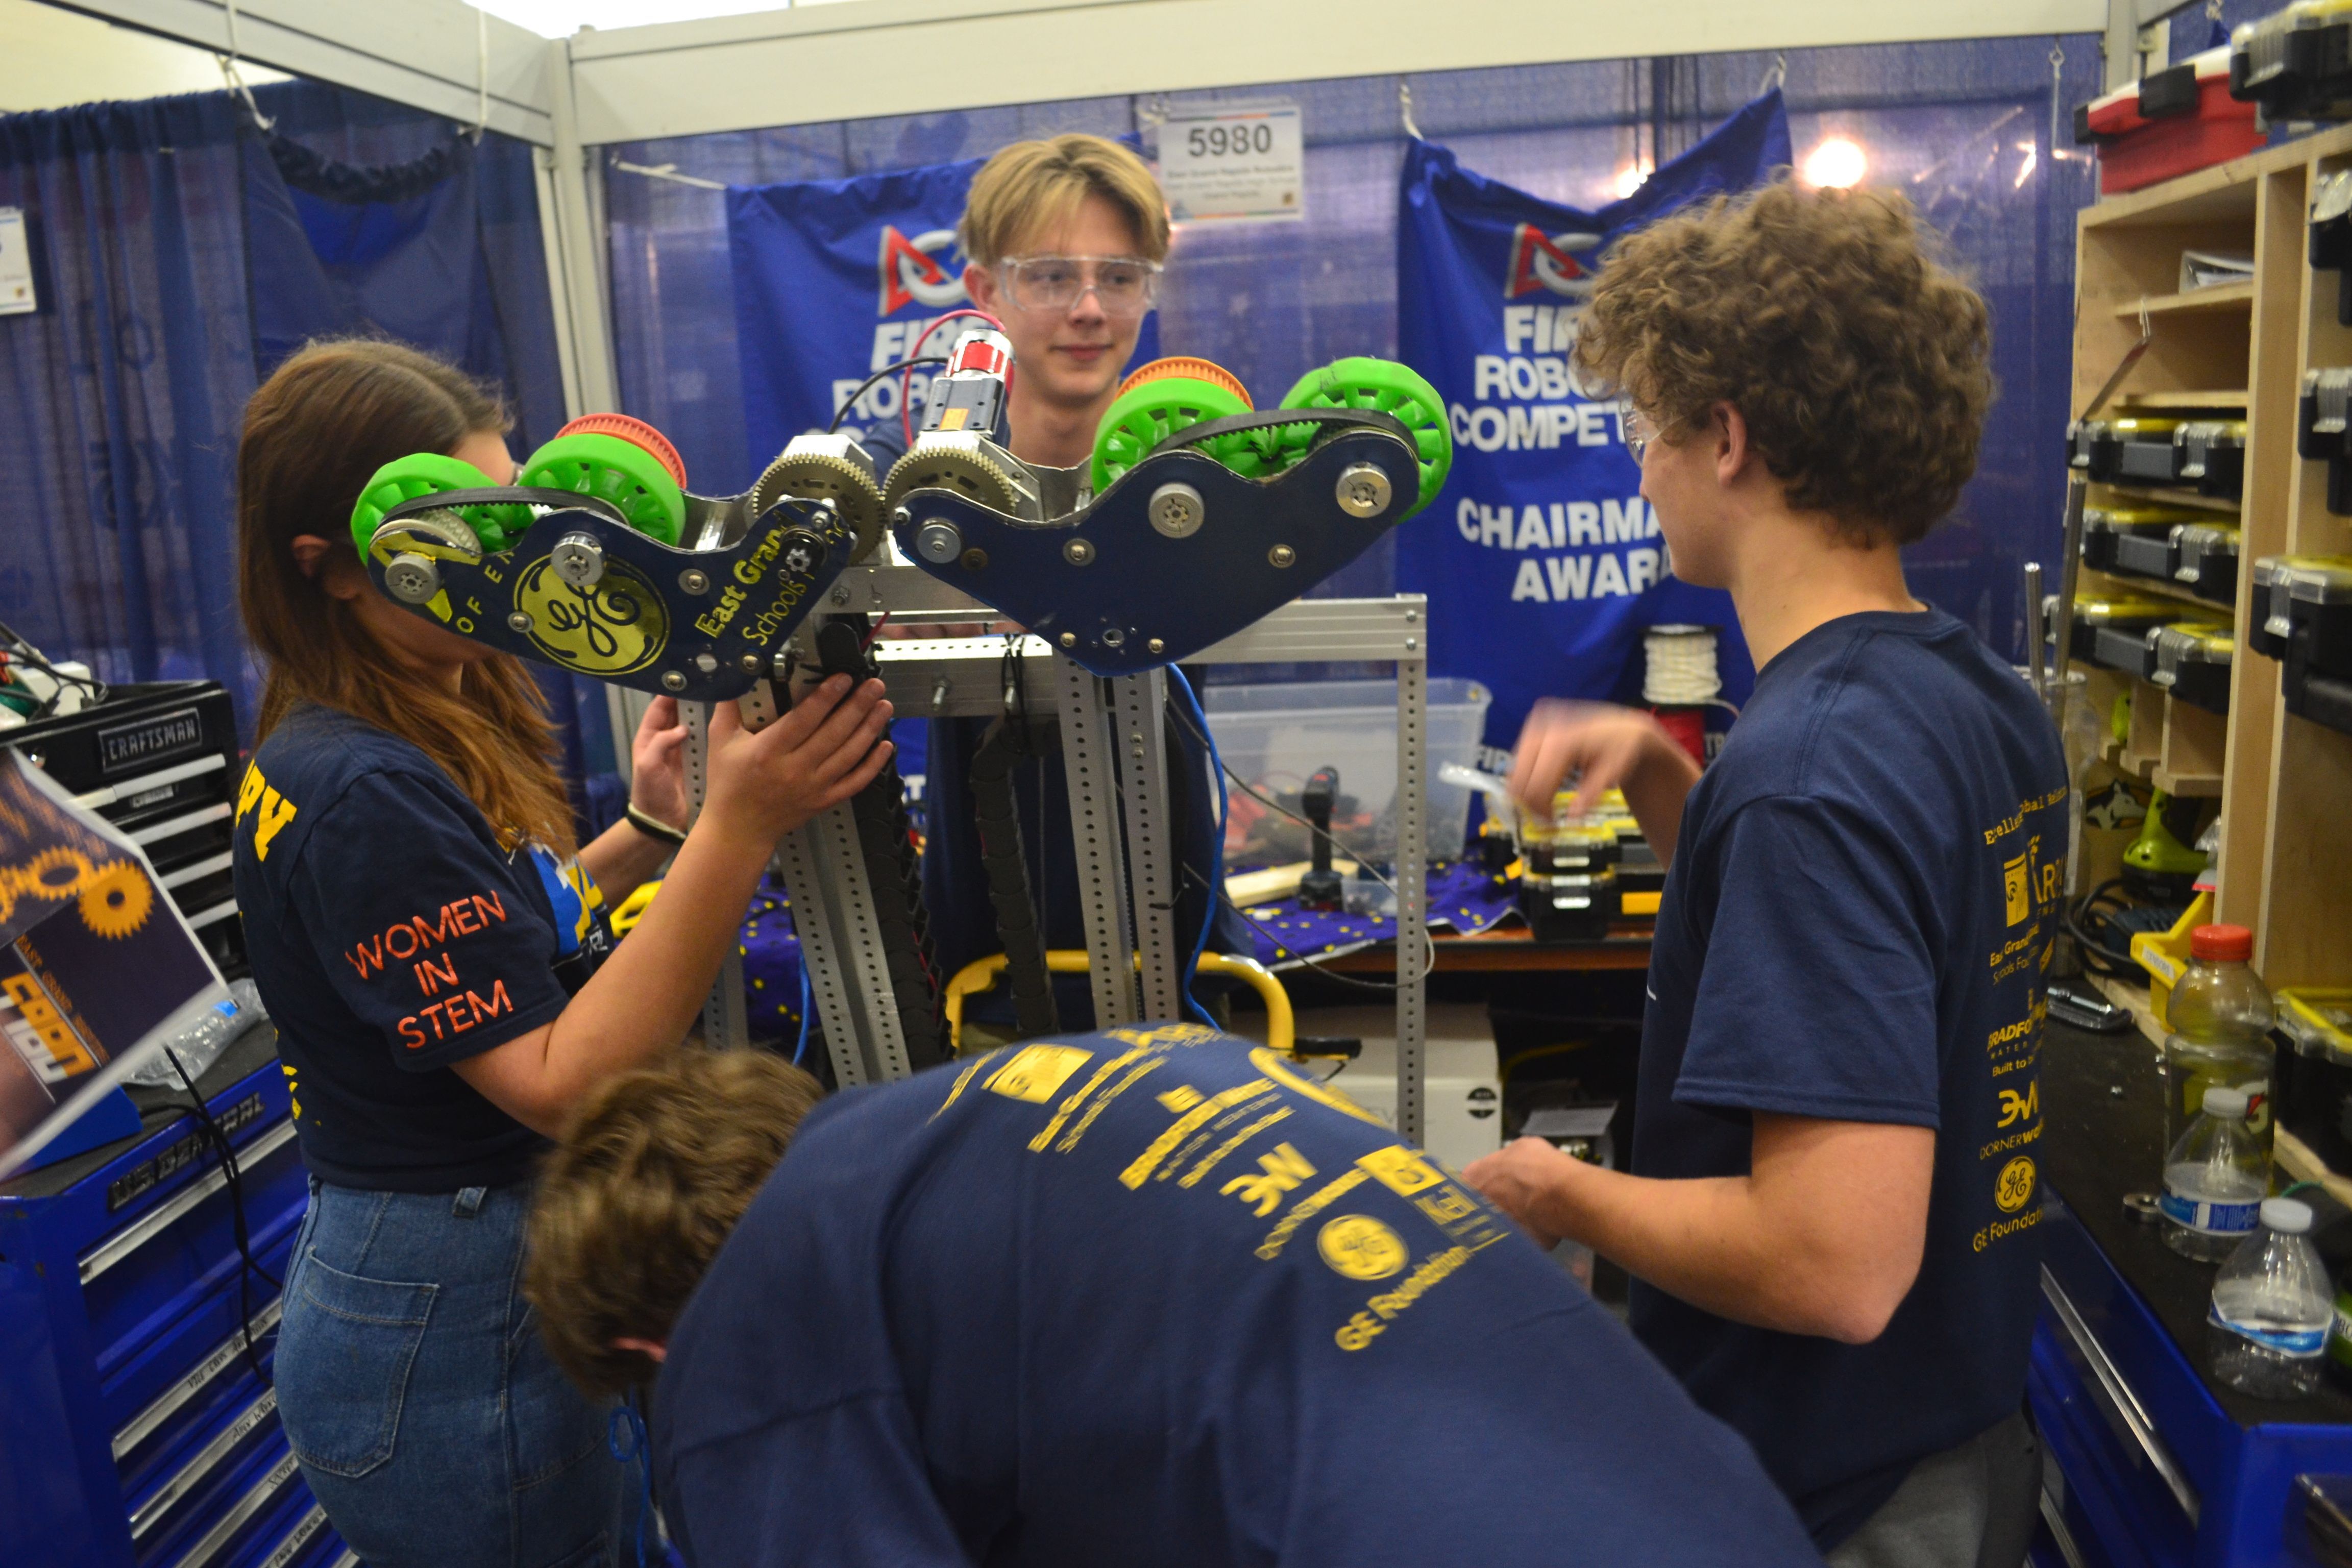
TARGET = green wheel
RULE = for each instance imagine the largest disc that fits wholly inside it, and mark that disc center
(1149, 414)
(430, 473)
(618, 471)
(1393, 389)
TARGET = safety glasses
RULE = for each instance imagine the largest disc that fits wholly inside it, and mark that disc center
(1125, 285)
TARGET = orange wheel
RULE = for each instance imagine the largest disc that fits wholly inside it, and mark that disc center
(635, 431)
(1191, 370)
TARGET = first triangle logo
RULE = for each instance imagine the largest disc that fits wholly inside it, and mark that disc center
(911, 272)
(1542, 261)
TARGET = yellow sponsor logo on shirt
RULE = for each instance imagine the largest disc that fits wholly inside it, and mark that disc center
(1403, 1170)
(1360, 1247)
(1035, 1072)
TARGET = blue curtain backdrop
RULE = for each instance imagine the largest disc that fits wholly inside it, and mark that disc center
(120, 399)
(182, 255)
(1964, 128)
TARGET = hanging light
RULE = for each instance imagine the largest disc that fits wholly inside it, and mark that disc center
(1631, 178)
(1838, 161)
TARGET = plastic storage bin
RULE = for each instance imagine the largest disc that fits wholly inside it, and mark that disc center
(2207, 560)
(2150, 529)
(2308, 594)
(2211, 455)
(2113, 632)
(2192, 662)
(1276, 736)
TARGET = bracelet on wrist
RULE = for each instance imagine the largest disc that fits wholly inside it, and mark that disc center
(654, 828)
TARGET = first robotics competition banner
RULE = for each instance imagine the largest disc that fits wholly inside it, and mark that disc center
(1542, 560)
(837, 279)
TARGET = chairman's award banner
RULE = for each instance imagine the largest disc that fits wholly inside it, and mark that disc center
(1541, 560)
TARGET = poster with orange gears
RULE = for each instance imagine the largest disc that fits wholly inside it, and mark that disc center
(97, 968)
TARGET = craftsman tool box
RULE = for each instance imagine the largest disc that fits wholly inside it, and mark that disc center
(2167, 124)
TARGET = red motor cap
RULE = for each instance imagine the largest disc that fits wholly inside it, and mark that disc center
(2222, 944)
(635, 431)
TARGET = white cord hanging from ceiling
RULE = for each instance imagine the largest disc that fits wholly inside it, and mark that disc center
(235, 79)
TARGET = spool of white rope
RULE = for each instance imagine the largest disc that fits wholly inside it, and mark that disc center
(1681, 670)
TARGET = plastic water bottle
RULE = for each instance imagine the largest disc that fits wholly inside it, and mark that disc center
(2271, 1313)
(2214, 1180)
(200, 1045)
(2220, 1019)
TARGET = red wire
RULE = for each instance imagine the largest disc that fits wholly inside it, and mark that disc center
(907, 377)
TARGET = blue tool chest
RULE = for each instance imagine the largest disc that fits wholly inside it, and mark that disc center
(134, 1431)
(2150, 1462)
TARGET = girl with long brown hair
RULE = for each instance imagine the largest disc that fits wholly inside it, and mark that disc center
(432, 947)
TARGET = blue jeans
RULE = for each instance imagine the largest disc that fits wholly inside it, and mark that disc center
(420, 1402)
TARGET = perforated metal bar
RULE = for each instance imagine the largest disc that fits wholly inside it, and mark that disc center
(1413, 917)
(841, 942)
(1087, 763)
(1138, 710)
(726, 1024)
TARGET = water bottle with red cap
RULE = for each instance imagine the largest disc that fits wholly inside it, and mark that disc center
(2220, 1019)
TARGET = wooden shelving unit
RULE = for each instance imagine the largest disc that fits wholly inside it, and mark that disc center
(2221, 296)
(2284, 783)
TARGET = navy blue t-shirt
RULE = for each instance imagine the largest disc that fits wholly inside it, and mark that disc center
(390, 934)
(1854, 928)
(1150, 1297)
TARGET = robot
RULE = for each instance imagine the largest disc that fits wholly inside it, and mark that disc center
(1197, 518)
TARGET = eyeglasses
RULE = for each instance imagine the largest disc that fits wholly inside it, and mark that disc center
(1125, 285)
(1639, 427)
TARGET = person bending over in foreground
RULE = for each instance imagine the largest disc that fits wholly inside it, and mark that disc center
(1143, 1297)
(1830, 1214)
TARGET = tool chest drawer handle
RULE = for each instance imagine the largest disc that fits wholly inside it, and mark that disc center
(2120, 1398)
(306, 1529)
(223, 1356)
(265, 1491)
(128, 787)
(161, 1217)
(151, 1512)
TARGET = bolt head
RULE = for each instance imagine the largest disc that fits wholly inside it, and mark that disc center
(840, 595)
(411, 578)
(1112, 636)
(1069, 639)
(975, 559)
(520, 621)
(1078, 551)
(707, 663)
(900, 517)
(673, 681)
(750, 663)
(577, 559)
(1363, 490)
(1155, 645)
(938, 541)
(1176, 511)
(693, 580)
(1282, 555)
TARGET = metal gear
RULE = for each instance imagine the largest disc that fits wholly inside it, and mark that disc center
(117, 901)
(819, 476)
(966, 473)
